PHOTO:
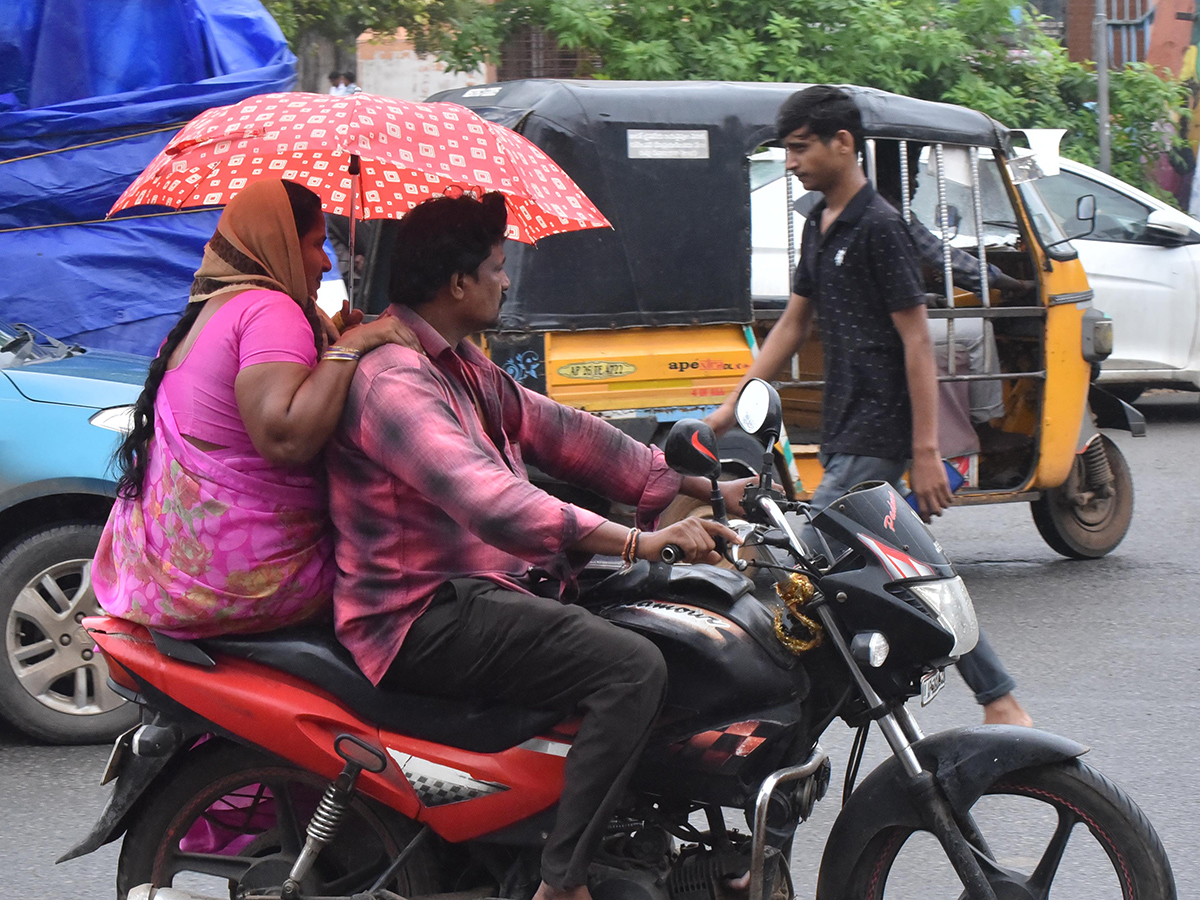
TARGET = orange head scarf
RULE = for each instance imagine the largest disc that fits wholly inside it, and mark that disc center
(255, 246)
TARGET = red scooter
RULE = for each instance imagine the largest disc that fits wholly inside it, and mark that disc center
(269, 765)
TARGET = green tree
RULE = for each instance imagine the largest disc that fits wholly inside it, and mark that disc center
(971, 52)
(344, 19)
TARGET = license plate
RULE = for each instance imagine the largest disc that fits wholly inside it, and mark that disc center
(931, 684)
(117, 756)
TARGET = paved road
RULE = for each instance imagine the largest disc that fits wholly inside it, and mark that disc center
(1106, 652)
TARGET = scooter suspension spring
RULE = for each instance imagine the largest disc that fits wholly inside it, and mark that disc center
(323, 826)
(1096, 465)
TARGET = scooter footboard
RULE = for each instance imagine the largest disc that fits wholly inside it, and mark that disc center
(965, 762)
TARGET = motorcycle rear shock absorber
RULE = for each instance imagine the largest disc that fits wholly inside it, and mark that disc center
(323, 826)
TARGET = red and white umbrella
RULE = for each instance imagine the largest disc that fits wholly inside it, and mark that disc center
(404, 152)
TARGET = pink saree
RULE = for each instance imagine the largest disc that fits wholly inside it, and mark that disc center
(208, 549)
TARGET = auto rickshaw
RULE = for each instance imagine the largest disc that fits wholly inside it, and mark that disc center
(658, 319)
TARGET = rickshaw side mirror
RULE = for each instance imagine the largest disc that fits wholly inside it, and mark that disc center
(1085, 211)
(759, 411)
(1085, 208)
(692, 449)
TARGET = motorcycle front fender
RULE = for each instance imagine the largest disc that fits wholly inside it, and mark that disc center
(965, 761)
(137, 774)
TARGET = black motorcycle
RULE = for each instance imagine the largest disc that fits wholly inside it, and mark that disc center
(762, 656)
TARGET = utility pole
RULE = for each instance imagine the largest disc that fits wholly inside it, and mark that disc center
(1100, 54)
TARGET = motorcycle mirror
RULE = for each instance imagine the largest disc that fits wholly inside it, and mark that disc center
(692, 449)
(759, 411)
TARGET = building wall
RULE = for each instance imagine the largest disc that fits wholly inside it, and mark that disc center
(1138, 31)
(390, 66)
(1171, 36)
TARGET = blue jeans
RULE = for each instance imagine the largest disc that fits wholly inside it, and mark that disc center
(981, 669)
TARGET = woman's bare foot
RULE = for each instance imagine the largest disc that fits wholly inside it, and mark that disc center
(1006, 711)
(545, 892)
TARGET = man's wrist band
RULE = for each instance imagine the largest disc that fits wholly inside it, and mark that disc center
(344, 354)
(629, 551)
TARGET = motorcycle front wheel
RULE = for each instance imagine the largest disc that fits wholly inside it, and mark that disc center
(1062, 826)
(228, 818)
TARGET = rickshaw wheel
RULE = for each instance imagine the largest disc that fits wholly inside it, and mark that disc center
(1076, 522)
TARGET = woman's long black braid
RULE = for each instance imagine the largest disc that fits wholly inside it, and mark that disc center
(133, 454)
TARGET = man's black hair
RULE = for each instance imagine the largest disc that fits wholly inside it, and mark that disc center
(441, 238)
(335, 76)
(824, 110)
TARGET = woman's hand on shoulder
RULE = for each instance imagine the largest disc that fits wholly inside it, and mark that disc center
(384, 330)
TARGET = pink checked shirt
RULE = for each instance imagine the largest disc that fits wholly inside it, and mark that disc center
(421, 492)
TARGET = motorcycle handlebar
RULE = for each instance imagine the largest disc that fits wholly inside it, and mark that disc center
(671, 554)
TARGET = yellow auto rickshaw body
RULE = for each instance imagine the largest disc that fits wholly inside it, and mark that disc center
(658, 320)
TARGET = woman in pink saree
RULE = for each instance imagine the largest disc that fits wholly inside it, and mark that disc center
(221, 521)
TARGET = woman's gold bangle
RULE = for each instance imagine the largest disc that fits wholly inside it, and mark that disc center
(343, 354)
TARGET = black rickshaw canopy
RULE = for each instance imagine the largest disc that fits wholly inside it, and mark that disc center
(667, 163)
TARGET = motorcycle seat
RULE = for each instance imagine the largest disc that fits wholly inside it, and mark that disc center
(313, 654)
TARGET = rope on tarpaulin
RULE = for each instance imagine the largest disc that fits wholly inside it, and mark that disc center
(124, 137)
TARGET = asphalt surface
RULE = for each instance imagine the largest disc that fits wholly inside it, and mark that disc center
(1106, 652)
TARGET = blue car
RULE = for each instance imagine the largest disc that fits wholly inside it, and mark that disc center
(63, 410)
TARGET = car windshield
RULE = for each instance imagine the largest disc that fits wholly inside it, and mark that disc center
(20, 345)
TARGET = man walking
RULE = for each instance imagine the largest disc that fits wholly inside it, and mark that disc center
(860, 274)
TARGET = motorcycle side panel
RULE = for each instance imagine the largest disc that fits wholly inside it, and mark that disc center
(461, 794)
(965, 762)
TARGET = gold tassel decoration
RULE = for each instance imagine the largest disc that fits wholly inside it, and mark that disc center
(798, 591)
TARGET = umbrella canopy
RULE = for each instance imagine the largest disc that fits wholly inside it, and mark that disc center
(404, 153)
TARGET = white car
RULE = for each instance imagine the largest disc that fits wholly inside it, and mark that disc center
(1143, 263)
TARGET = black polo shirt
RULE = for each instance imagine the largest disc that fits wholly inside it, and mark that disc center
(864, 268)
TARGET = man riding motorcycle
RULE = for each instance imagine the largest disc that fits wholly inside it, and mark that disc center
(438, 526)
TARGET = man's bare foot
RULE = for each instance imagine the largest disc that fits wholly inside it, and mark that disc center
(545, 892)
(1006, 711)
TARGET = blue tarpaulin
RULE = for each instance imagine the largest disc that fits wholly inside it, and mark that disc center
(90, 91)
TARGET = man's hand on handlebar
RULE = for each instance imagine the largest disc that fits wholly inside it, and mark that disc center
(694, 536)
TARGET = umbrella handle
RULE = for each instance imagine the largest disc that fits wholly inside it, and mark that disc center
(353, 169)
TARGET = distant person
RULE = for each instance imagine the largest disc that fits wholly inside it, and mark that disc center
(337, 84)
(349, 85)
(221, 522)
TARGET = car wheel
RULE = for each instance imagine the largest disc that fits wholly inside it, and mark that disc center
(54, 683)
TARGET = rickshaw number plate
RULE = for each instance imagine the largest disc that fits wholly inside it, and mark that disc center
(932, 684)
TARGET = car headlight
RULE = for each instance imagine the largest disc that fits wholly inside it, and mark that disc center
(115, 418)
(949, 601)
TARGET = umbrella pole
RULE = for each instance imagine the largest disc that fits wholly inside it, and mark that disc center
(354, 180)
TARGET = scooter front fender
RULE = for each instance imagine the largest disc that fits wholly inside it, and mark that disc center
(965, 761)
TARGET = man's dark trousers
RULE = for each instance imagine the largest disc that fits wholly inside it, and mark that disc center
(480, 640)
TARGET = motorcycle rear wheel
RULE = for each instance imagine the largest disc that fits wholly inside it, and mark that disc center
(1074, 795)
(225, 808)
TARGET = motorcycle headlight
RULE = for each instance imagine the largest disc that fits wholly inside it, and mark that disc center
(115, 418)
(949, 601)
